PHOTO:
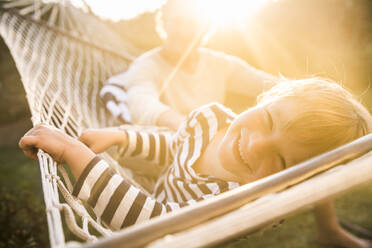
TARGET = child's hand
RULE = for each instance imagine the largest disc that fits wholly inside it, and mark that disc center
(62, 148)
(47, 138)
(98, 140)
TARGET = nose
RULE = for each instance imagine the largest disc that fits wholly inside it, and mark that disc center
(258, 144)
(258, 147)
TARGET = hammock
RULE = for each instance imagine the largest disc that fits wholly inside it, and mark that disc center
(64, 55)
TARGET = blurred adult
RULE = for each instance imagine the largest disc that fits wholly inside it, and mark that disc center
(166, 83)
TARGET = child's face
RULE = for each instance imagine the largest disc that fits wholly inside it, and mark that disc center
(256, 144)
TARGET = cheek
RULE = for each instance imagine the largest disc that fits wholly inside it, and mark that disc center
(224, 152)
(250, 120)
(227, 157)
(268, 168)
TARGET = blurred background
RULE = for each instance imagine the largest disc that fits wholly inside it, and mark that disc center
(293, 38)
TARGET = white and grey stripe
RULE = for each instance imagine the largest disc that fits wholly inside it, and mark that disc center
(115, 98)
(151, 146)
(120, 204)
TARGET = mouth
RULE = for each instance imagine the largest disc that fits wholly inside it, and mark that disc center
(238, 152)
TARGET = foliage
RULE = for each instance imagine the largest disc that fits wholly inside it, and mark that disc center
(22, 212)
(13, 104)
(22, 219)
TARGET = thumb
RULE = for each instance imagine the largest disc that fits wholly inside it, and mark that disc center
(28, 141)
(29, 146)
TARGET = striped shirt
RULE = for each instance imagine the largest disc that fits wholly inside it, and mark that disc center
(120, 204)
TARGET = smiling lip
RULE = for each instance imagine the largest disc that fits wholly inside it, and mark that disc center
(237, 154)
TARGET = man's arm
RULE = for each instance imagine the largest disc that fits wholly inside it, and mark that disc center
(247, 80)
(147, 109)
(329, 230)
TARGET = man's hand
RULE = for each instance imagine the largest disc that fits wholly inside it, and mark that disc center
(98, 140)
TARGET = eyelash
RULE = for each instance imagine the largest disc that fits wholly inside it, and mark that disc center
(270, 119)
(271, 126)
(282, 161)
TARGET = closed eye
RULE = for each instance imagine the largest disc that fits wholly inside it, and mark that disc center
(282, 161)
(269, 119)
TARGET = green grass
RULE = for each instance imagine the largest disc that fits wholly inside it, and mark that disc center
(22, 214)
(23, 222)
(300, 231)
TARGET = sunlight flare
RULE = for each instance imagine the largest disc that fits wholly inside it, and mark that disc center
(223, 12)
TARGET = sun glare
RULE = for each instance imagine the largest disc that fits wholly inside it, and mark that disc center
(118, 10)
(217, 12)
(227, 12)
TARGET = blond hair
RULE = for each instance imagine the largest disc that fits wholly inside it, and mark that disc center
(330, 116)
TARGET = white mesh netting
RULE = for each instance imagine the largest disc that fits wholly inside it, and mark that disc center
(60, 56)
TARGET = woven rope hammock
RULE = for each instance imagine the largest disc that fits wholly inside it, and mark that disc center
(63, 56)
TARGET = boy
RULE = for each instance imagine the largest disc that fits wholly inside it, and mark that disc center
(213, 151)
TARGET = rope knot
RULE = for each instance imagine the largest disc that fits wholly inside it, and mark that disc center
(51, 177)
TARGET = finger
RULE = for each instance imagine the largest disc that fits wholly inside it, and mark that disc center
(28, 142)
(35, 130)
(30, 132)
(31, 153)
(41, 125)
(85, 136)
(82, 138)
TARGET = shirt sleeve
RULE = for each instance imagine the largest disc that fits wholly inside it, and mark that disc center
(116, 202)
(114, 96)
(247, 80)
(144, 104)
(157, 147)
(140, 84)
